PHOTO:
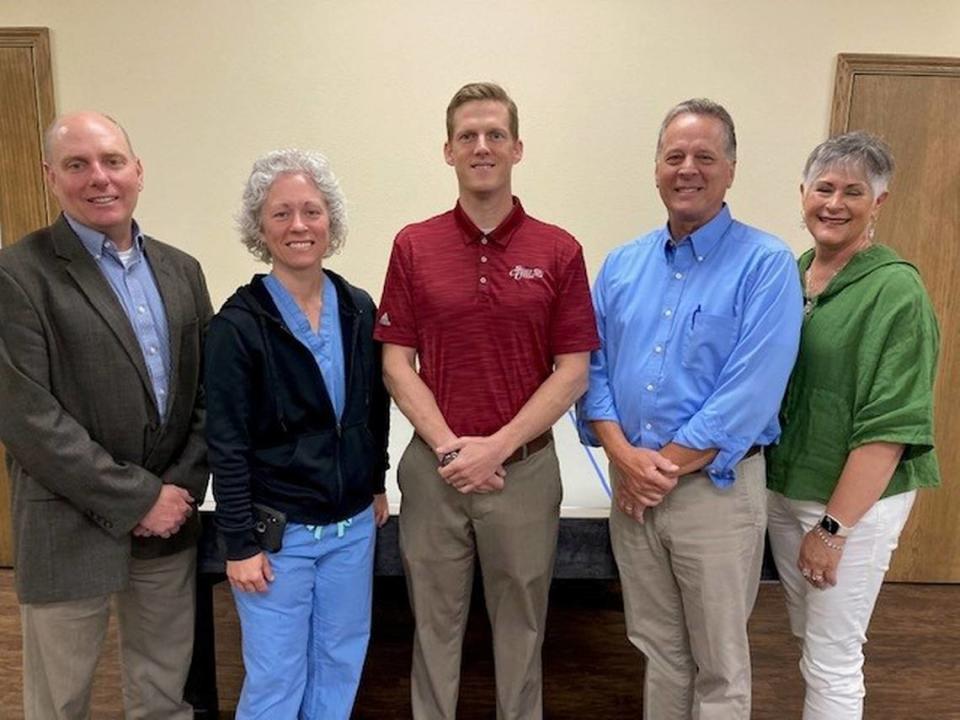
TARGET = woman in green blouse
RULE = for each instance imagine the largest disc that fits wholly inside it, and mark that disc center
(857, 421)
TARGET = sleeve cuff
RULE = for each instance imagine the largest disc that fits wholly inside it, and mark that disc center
(721, 470)
(587, 436)
(700, 434)
(394, 336)
(241, 545)
(586, 415)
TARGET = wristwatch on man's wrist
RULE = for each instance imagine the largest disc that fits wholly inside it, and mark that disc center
(833, 526)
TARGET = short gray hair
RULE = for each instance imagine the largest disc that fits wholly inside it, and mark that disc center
(857, 149)
(265, 172)
(708, 108)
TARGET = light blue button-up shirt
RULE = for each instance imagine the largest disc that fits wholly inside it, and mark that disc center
(698, 340)
(326, 345)
(136, 288)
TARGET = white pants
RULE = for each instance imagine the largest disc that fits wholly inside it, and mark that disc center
(832, 623)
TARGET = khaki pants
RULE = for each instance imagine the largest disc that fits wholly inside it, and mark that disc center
(62, 642)
(690, 576)
(514, 534)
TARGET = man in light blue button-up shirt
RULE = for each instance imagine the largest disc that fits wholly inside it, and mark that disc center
(700, 323)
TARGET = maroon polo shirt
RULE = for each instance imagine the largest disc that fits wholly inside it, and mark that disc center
(486, 313)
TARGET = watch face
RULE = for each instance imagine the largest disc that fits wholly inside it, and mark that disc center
(829, 524)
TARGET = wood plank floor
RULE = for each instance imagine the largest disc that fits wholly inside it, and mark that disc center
(590, 671)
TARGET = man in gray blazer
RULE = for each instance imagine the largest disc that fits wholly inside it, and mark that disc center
(101, 330)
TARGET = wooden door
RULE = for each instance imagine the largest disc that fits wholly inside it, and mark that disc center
(26, 110)
(914, 104)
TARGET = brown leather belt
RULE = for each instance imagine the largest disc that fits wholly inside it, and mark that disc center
(535, 445)
(753, 451)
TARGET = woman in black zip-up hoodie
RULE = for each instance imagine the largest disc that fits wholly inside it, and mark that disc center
(297, 425)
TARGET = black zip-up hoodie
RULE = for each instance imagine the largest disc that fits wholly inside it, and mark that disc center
(271, 429)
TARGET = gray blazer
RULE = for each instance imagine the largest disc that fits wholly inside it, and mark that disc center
(87, 450)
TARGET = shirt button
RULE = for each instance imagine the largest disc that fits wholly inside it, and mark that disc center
(141, 309)
(668, 312)
(699, 258)
(648, 426)
(152, 350)
(678, 276)
(483, 281)
(483, 241)
(650, 387)
(483, 258)
(658, 349)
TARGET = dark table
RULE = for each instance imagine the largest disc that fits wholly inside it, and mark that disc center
(583, 552)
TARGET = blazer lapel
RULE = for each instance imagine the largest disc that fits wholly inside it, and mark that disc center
(171, 288)
(83, 269)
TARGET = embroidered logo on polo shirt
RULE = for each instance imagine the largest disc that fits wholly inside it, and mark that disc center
(520, 272)
(384, 320)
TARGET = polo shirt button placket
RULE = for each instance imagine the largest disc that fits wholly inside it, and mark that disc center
(484, 287)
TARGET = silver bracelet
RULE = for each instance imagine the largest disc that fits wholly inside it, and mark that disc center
(826, 540)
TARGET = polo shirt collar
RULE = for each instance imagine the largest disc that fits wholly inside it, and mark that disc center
(704, 239)
(500, 235)
(96, 242)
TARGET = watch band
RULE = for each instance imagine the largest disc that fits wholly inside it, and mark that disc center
(834, 527)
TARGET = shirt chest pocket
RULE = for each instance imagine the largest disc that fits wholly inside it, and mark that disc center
(708, 343)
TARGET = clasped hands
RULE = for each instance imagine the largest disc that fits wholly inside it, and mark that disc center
(169, 512)
(645, 479)
(478, 466)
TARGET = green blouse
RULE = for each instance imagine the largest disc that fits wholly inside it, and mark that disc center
(865, 373)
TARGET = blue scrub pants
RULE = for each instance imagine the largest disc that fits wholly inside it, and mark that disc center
(305, 639)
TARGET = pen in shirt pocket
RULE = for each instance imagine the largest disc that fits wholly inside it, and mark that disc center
(693, 319)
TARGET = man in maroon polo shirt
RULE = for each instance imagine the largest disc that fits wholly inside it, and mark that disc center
(495, 306)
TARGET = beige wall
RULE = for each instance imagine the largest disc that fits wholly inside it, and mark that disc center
(204, 86)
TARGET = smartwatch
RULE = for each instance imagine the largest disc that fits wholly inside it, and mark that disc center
(834, 527)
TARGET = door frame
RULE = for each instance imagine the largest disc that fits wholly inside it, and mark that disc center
(849, 65)
(38, 40)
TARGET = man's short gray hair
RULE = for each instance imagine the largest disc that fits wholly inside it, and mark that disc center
(265, 172)
(857, 149)
(708, 108)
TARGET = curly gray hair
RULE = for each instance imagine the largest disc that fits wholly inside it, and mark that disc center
(266, 170)
(857, 149)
